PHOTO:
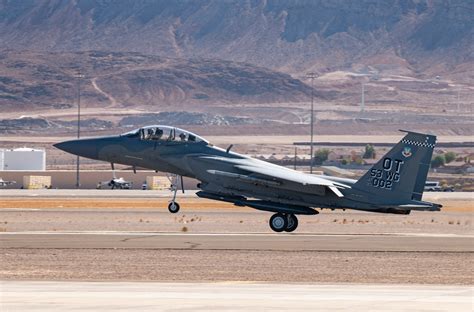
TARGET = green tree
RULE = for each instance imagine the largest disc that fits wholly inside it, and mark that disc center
(369, 152)
(321, 155)
(449, 157)
(438, 161)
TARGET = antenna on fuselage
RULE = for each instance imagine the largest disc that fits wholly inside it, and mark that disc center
(228, 149)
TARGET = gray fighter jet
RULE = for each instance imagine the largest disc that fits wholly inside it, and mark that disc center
(4, 183)
(393, 185)
(116, 183)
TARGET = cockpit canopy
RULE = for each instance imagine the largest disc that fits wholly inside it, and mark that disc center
(165, 133)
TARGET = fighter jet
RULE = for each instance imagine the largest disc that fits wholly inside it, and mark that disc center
(116, 183)
(4, 183)
(393, 185)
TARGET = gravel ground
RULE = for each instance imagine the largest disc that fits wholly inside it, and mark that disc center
(199, 220)
(227, 265)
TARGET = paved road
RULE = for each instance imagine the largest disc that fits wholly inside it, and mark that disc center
(227, 241)
(230, 296)
(92, 193)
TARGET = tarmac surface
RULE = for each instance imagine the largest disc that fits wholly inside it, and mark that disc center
(107, 193)
(87, 296)
(108, 250)
(239, 241)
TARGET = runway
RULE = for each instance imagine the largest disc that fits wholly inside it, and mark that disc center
(107, 193)
(239, 241)
(199, 257)
(87, 296)
(123, 236)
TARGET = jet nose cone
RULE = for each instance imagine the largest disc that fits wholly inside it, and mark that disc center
(85, 148)
(64, 146)
(67, 146)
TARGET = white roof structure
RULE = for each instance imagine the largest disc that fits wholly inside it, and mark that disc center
(23, 158)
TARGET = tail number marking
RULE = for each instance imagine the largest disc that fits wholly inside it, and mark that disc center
(390, 174)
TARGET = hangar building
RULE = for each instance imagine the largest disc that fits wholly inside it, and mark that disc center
(22, 159)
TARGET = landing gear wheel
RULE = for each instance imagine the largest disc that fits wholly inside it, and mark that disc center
(292, 223)
(173, 207)
(278, 222)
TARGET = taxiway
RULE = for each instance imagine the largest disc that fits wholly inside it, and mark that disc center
(60, 296)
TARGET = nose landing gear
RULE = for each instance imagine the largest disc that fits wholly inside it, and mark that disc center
(280, 222)
(173, 206)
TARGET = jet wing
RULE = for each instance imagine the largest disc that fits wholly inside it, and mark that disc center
(259, 172)
(284, 174)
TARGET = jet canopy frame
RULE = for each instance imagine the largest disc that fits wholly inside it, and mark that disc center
(165, 134)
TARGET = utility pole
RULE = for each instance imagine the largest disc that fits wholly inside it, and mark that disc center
(79, 76)
(459, 102)
(362, 100)
(294, 163)
(311, 76)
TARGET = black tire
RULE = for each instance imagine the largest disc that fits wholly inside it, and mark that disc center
(292, 223)
(173, 207)
(278, 222)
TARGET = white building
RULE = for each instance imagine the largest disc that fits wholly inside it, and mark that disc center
(23, 159)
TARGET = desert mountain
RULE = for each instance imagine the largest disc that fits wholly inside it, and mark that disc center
(415, 37)
(185, 61)
(31, 80)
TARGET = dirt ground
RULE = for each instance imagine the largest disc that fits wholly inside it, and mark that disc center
(194, 203)
(228, 265)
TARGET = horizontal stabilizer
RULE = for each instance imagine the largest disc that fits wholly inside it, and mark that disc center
(424, 207)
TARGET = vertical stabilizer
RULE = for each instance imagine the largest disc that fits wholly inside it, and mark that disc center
(400, 175)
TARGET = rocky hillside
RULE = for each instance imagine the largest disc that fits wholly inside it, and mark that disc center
(238, 63)
(416, 37)
(30, 80)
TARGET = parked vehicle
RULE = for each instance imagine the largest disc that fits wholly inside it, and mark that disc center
(432, 186)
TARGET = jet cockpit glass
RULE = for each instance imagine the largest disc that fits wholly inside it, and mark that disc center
(165, 133)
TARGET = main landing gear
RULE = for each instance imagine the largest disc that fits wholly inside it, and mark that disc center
(280, 222)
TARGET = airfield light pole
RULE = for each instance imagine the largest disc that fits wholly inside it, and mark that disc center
(311, 76)
(79, 76)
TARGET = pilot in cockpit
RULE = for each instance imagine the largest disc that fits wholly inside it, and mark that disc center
(149, 134)
(165, 134)
(158, 134)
